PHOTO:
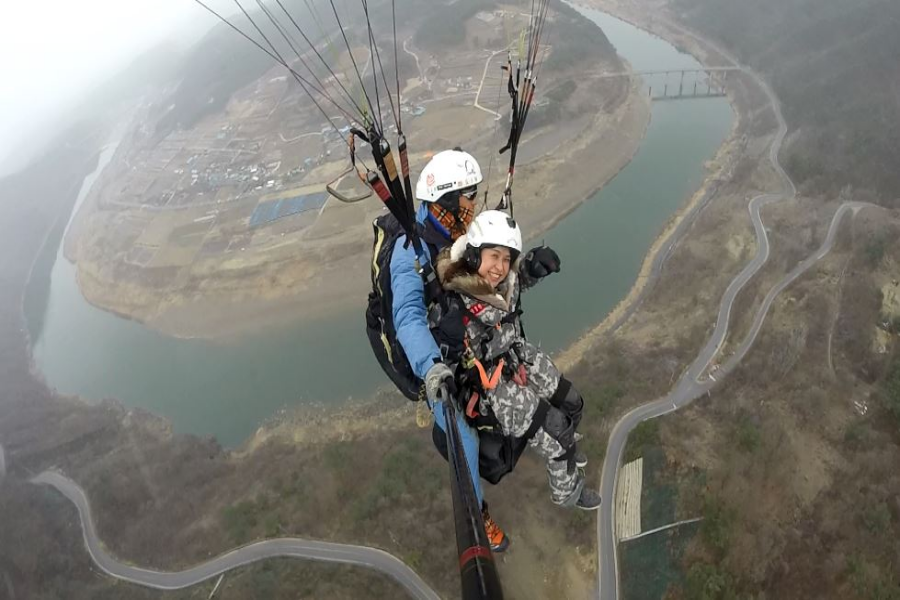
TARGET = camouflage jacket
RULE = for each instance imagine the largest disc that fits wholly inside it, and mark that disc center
(490, 318)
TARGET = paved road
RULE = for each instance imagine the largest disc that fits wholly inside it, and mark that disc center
(690, 386)
(2, 464)
(487, 64)
(298, 137)
(371, 558)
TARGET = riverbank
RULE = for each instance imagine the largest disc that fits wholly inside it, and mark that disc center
(154, 492)
(328, 282)
(228, 388)
(718, 169)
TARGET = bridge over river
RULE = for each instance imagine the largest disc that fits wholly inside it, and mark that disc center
(677, 84)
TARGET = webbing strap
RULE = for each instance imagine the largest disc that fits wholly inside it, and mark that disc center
(490, 383)
(471, 406)
(537, 420)
(562, 390)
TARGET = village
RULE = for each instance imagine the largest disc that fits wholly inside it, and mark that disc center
(255, 199)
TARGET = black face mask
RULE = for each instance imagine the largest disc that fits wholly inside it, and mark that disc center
(449, 201)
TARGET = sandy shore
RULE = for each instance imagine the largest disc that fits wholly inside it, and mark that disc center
(608, 144)
(546, 191)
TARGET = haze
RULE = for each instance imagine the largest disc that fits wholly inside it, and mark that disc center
(53, 52)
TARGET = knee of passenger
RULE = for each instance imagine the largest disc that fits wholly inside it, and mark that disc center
(560, 427)
(567, 398)
(573, 402)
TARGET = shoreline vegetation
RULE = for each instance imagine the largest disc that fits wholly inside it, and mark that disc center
(724, 161)
(607, 145)
(153, 490)
(317, 266)
(291, 425)
(295, 428)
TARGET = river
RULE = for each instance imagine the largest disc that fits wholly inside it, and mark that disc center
(228, 389)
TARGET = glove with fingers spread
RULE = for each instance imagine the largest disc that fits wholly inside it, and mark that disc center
(439, 374)
(538, 263)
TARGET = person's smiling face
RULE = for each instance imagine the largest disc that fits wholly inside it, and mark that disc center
(494, 265)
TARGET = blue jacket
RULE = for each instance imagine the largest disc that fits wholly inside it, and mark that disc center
(409, 310)
(411, 324)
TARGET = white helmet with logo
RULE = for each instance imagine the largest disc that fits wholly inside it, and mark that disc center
(495, 228)
(447, 171)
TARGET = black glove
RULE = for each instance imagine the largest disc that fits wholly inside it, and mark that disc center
(541, 261)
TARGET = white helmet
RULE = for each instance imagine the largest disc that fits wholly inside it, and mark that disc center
(447, 171)
(495, 228)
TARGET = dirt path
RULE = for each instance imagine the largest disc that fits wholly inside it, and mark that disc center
(285, 291)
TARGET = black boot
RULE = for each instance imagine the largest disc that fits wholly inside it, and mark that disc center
(588, 500)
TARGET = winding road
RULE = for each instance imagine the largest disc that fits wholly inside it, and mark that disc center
(691, 386)
(371, 558)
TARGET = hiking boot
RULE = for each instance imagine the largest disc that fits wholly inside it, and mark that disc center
(588, 500)
(499, 540)
(580, 459)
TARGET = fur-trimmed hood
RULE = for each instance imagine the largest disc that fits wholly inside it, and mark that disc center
(454, 277)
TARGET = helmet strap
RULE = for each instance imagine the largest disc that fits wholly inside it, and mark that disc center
(472, 258)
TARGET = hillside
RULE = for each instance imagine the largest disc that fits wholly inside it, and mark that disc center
(835, 64)
(791, 459)
(168, 501)
(172, 235)
(153, 491)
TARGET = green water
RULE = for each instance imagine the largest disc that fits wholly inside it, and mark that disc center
(228, 389)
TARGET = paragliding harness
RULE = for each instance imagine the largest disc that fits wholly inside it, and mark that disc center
(380, 327)
(498, 453)
(379, 312)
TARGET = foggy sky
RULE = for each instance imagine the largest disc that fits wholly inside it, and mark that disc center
(53, 51)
